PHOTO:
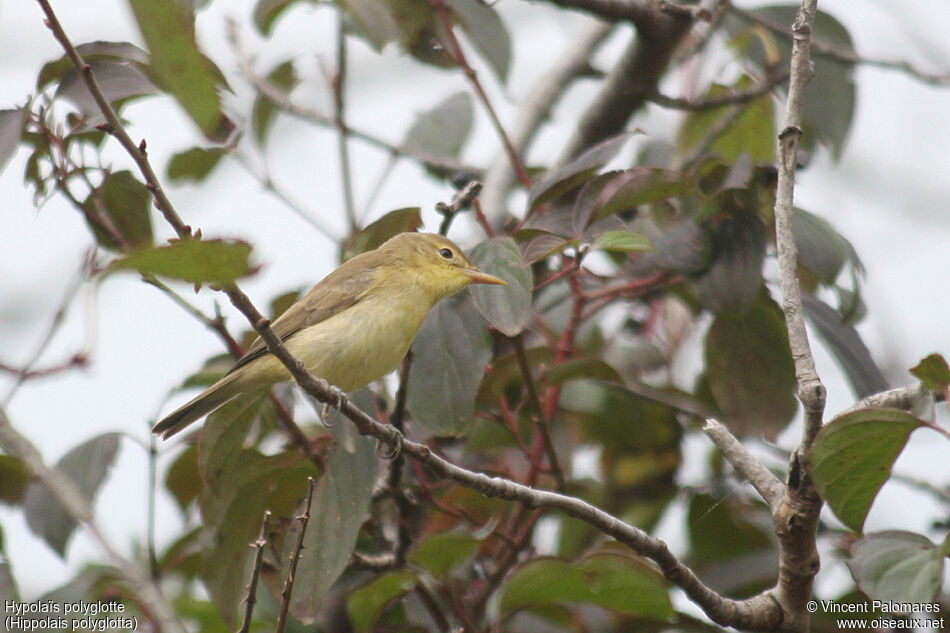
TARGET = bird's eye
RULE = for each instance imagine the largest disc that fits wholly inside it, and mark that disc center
(446, 253)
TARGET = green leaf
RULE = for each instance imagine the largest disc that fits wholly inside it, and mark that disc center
(750, 370)
(933, 372)
(443, 130)
(393, 223)
(821, 248)
(734, 279)
(852, 457)
(897, 566)
(125, 202)
(365, 604)
(194, 261)
(87, 465)
(450, 354)
(637, 186)
(194, 164)
(506, 308)
(371, 20)
(11, 127)
(232, 520)
(441, 554)
(341, 504)
(264, 111)
(487, 32)
(179, 66)
(419, 30)
(183, 479)
(14, 479)
(829, 110)
(559, 181)
(617, 583)
(751, 133)
(623, 241)
(847, 346)
(577, 368)
(222, 439)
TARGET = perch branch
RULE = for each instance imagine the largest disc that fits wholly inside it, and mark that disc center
(769, 487)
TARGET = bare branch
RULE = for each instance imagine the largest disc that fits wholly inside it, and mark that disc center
(80, 509)
(902, 398)
(769, 487)
(251, 597)
(737, 98)
(303, 518)
(640, 12)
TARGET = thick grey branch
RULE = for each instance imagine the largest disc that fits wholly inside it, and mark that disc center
(769, 487)
(902, 398)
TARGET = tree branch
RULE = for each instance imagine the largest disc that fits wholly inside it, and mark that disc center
(737, 98)
(769, 487)
(796, 520)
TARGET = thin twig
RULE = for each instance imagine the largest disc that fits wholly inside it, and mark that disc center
(286, 593)
(114, 127)
(251, 598)
(462, 200)
(542, 424)
(513, 157)
(711, 103)
(339, 118)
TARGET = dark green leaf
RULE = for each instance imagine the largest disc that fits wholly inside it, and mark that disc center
(419, 31)
(559, 181)
(194, 261)
(750, 369)
(933, 372)
(194, 164)
(365, 604)
(179, 67)
(734, 279)
(506, 372)
(341, 503)
(449, 358)
(821, 248)
(506, 308)
(117, 80)
(122, 52)
(125, 201)
(487, 32)
(618, 583)
(623, 241)
(440, 554)
(897, 566)
(87, 465)
(686, 248)
(852, 458)
(393, 223)
(264, 111)
(443, 130)
(593, 368)
(846, 344)
(14, 479)
(731, 545)
(11, 126)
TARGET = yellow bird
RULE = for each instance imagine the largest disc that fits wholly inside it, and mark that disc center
(353, 327)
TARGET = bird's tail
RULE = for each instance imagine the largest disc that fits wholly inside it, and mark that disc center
(206, 402)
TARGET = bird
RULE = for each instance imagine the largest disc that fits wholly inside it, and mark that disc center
(353, 327)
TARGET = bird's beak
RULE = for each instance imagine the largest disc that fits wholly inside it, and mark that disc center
(478, 277)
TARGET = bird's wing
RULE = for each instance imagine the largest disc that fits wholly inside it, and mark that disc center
(337, 292)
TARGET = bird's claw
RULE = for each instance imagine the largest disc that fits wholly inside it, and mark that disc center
(336, 401)
(393, 452)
